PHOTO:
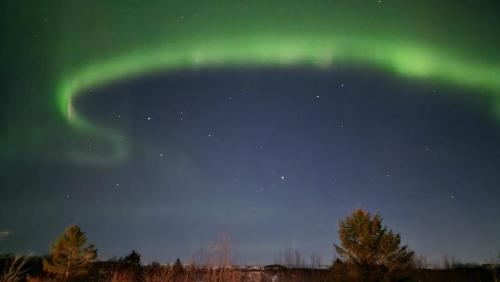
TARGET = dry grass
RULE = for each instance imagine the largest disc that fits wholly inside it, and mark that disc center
(153, 273)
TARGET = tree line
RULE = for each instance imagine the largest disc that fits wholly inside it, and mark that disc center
(367, 251)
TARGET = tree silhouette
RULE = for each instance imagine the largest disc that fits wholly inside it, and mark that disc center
(368, 250)
(70, 256)
(132, 258)
(177, 268)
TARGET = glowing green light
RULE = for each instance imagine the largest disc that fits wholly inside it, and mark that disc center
(404, 59)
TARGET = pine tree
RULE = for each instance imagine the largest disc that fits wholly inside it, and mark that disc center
(370, 251)
(70, 256)
(132, 258)
(178, 268)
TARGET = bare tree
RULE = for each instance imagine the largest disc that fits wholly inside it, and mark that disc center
(450, 262)
(315, 261)
(291, 257)
(216, 263)
(420, 262)
(16, 267)
(217, 254)
(225, 252)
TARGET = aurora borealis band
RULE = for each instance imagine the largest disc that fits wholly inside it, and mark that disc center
(90, 45)
(410, 60)
(170, 122)
(403, 59)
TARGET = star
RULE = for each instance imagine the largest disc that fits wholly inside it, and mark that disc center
(283, 177)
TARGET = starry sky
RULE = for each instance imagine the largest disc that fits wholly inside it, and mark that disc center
(160, 125)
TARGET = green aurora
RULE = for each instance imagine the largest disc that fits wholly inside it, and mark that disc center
(93, 44)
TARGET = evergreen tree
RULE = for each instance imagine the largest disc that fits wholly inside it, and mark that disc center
(70, 256)
(370, 251)
(177, 267)
(132, 258)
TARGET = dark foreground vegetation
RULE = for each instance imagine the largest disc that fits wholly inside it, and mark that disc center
(116, 272)
(368, 252)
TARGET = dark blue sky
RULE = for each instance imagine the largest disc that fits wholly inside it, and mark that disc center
(273, 158)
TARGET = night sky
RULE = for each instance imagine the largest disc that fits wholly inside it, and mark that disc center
(161, 126)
